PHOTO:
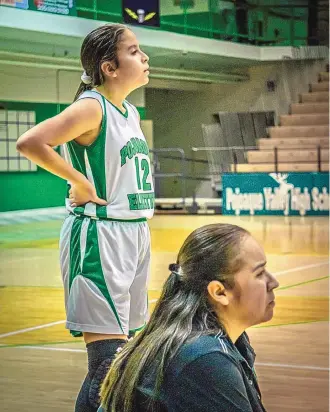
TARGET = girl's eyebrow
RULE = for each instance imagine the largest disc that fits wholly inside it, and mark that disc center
(133, 46)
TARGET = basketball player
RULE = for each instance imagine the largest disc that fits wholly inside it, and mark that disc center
(105, 240)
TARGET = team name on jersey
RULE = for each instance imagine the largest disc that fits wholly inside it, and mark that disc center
(131, 148)
(141, 201)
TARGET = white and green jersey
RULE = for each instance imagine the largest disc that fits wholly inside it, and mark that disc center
(117, 163)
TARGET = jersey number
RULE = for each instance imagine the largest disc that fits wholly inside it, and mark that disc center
(144, 167)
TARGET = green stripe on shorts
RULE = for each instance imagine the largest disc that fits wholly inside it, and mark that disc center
(91, 266)
(75, 252)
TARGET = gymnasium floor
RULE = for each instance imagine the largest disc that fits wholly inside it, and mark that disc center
(41, 366)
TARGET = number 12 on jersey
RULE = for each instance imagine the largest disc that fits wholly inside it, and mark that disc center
(142, 166)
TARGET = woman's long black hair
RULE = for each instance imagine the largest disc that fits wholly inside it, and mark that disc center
(183, 311)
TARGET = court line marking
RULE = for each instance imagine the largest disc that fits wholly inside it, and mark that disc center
(24, 258)
(17, 332)
(290, 324)
(65, 342)
(292, 366)
(282, 272)
(303, 283)
(314, 265)
(46, 325)
(4, 345)
(272, 365)
(51, 349)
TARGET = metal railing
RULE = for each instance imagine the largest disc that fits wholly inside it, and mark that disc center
(184, 174)
(233, 152)
(187, 165)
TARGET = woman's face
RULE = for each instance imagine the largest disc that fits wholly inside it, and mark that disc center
(252, 299)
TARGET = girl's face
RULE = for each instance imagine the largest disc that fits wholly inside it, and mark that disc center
(252, 299)
(133, 63)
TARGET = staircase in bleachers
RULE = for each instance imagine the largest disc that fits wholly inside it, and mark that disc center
(301, 142)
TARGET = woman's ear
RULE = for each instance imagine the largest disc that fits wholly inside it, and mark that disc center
(108, 69)
(218, 294)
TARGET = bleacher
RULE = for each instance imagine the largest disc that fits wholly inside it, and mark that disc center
(301, 142)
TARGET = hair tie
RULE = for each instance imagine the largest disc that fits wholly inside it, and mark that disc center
(174, 267)
(175, 271)
(85, 78)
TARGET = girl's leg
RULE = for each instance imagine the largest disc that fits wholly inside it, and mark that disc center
(139, 288)
(101, 350)
(97, 277)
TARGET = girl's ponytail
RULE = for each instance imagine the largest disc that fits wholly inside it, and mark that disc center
(86, 84)
(81, 89)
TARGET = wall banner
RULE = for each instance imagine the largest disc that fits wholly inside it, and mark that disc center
(285, 194)
(141, 12)
(64, 7)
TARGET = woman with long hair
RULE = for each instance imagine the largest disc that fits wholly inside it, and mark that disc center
(194, 354)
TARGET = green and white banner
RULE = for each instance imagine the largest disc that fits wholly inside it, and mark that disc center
(285, 194)
(64, 7)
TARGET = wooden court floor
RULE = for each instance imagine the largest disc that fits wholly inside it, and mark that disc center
(41, 365)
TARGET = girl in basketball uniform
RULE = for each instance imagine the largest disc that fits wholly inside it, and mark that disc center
(105, 240)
